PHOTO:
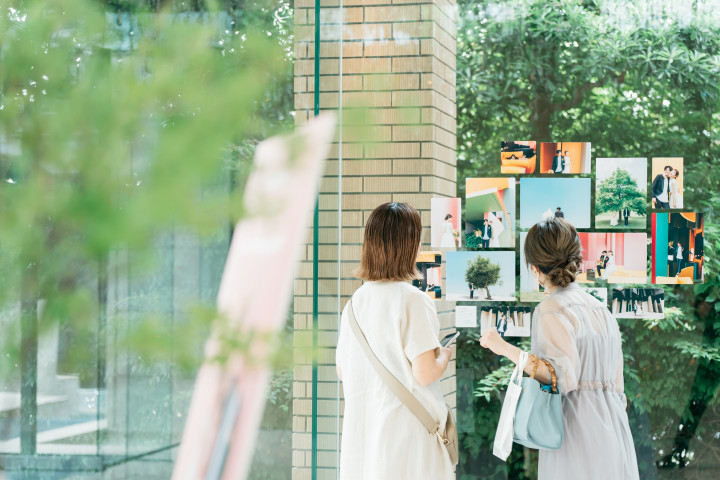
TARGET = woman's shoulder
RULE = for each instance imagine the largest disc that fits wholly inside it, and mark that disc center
(398, 290)
(567, 299)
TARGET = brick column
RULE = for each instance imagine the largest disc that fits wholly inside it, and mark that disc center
(398, 63)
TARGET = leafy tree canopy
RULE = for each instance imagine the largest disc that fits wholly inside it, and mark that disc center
(483, 273)
(620, 191)
(636, 79)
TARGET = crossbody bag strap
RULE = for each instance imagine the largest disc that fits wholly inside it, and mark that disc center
(392, 383)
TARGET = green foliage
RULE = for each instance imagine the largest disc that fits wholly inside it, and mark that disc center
(473, 241)
(483, 273)
(110, 149)
(637, 79)
(594, 292)
(618, 192)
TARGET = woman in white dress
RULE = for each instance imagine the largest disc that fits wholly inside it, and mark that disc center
(611, 267)
(613, 219)
(568, 163)
(448, 239)
(497, 228)
(381, 438)
(676, 200)
(579, 336)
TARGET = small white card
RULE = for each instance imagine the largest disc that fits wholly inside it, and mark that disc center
(465, 317)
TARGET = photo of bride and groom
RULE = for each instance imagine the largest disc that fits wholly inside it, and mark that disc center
(568, 198)
(490, 213)
(606, 265)
(508, 321)
(638, 303)
(621, 193)
(564, 158)
(678, 247)
(614, 257)
(667, 185)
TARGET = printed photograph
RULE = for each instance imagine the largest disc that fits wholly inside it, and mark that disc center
(638, 303)
(615, 257)
(667, 183)
(430, 265)
(600, 293)
(542, 198)
(508, 321)
(481, 276)
(558, 158)
(678, 241)
(621, 193)
(518, 157)
(489, 213)
(445, 222)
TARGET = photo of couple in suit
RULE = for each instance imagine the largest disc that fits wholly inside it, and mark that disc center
(565, 158)
(666, 185)
(678, 256)
(561, 162)
(621, 193)
(624, 214)
(606, 264)
(489, 213)
(507, 321)
(678, 247)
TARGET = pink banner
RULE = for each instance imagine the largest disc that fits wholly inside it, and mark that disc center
(229, 399)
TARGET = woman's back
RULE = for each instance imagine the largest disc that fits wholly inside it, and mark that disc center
(381, 438)
(582, 340)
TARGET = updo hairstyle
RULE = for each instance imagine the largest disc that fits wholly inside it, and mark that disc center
(553, 246)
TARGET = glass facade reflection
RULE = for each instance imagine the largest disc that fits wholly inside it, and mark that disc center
(425, 92)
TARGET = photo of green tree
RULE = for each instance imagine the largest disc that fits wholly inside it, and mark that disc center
(480, 276)
(621, 193)
(483, 273)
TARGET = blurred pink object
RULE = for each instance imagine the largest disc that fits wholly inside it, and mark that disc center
(254, 296)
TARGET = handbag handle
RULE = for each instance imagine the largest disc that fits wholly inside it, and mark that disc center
(517, 373)
(393, 383)
(552, 375)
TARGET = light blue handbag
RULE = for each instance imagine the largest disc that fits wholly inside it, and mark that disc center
(538, 415)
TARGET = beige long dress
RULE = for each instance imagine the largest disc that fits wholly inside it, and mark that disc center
(581, 339)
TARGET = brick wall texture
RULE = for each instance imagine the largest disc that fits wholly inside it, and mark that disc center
(398, 76)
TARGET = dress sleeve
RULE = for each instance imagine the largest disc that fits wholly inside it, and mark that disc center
(553, 338)
(420, 326)
(620, 377)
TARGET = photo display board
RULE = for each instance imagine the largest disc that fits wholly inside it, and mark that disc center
(632, 222)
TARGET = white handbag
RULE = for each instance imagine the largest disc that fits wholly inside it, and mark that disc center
(504, 434)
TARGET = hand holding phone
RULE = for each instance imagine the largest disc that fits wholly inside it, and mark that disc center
(447, 340)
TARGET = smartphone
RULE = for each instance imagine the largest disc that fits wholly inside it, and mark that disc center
(449, 338)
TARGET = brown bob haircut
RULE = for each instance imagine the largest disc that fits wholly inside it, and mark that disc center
(391, 244)
(554, 247)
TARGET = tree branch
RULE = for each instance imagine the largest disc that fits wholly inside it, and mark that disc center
(580, 92)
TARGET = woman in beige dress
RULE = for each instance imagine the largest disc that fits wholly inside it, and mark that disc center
(579, 336)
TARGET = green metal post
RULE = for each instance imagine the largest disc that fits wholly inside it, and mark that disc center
(316, 216)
